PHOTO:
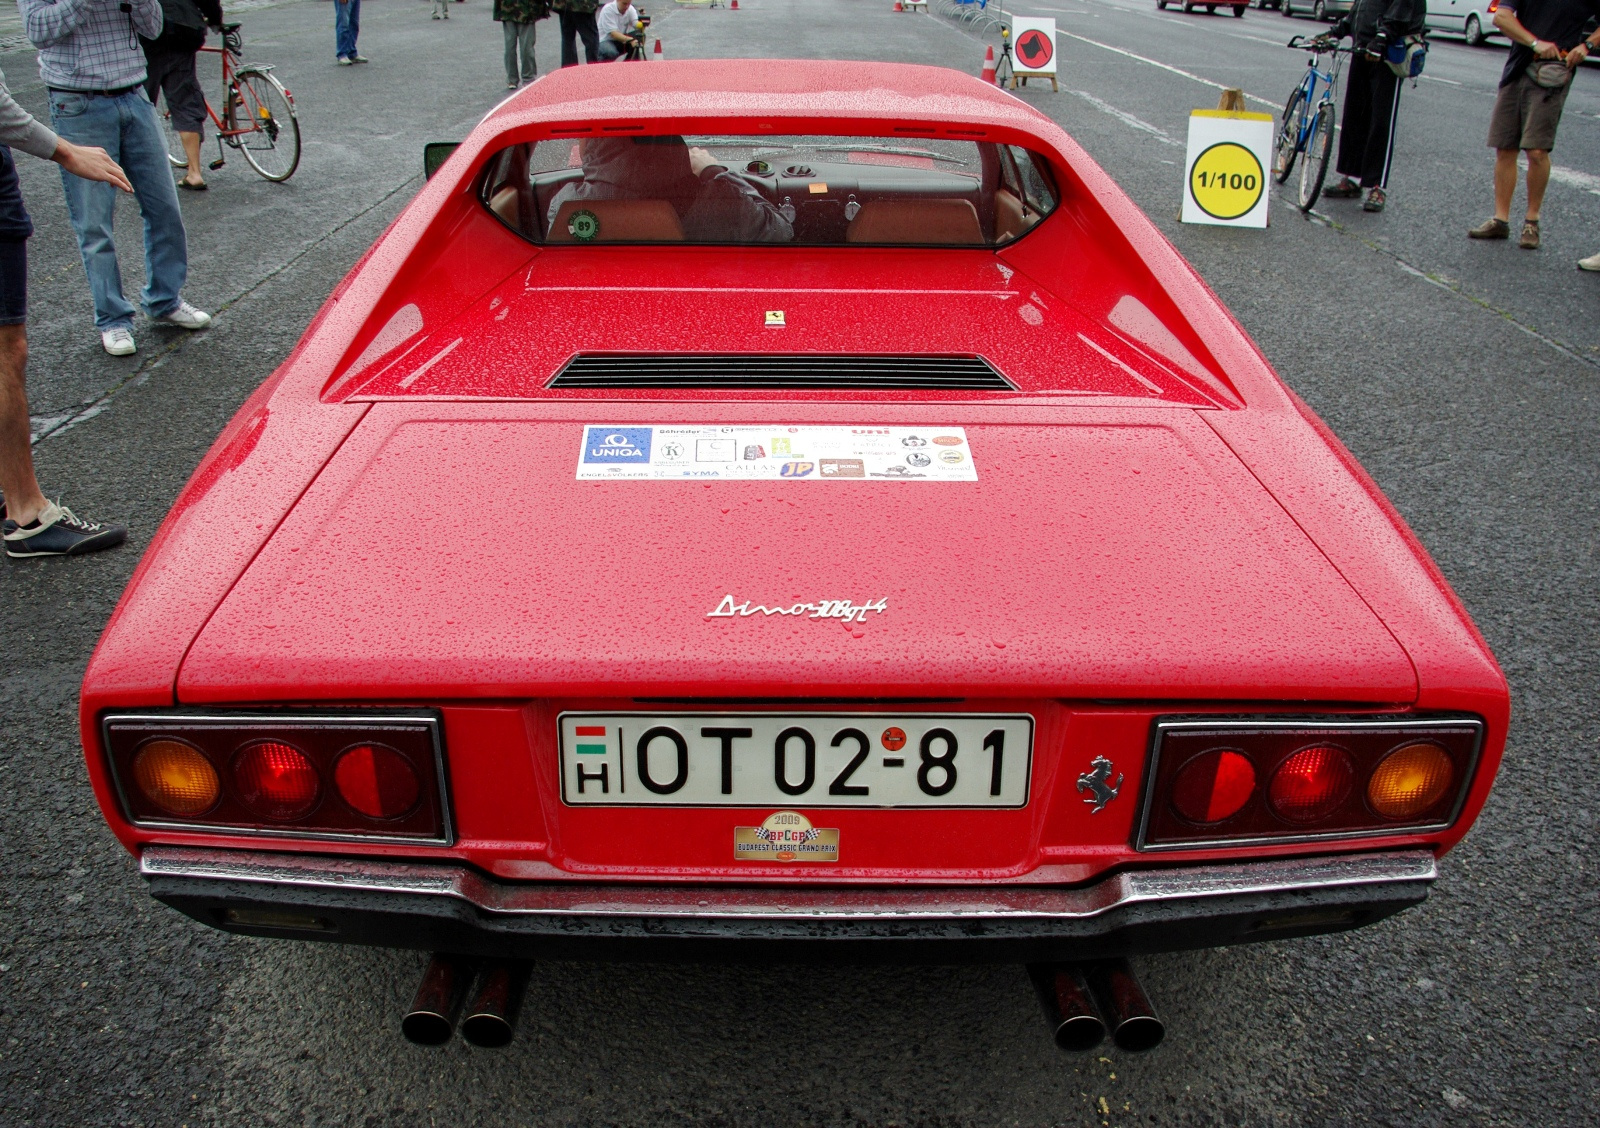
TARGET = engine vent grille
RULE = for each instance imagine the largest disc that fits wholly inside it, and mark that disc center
(751, 371)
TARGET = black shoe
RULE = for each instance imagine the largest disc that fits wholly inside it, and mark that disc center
(58, 532)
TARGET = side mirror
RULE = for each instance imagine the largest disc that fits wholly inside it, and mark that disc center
(434, 154)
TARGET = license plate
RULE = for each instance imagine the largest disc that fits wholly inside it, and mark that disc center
(809, 759)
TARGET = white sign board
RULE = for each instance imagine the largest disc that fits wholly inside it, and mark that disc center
(1225, 174)
(1033, 46)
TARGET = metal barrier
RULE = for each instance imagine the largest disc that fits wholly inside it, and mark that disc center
(974, 13)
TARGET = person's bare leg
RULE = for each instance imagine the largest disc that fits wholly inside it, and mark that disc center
(23, 499)
(1538, 178)
(1505, 182)
(191, 150)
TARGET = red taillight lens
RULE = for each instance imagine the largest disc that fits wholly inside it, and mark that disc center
(276, 780)
(176, 777)
(377, 781)
(1255, 780)
(1311, 783)
(1213, 786)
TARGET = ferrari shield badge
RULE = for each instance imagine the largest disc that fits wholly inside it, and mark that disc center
(785, 836)
(1097, 781)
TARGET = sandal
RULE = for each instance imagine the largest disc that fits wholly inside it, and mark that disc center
(1346, 189)
(1530, 235)
(200, 187)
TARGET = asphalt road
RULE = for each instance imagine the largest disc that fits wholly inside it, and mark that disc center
(1463, 376)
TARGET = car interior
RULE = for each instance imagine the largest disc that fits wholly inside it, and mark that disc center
(810, 191)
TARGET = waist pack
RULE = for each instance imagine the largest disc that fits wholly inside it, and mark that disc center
(1407, 57)
(1551, 74)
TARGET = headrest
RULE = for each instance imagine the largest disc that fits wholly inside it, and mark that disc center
(617, 221)
(936, 222)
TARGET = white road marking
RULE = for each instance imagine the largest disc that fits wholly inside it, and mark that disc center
(1446, 81)
(1126, 118)
(1571, 177)
(1164, 66)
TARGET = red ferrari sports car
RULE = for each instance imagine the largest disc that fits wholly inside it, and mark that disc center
(784, 510)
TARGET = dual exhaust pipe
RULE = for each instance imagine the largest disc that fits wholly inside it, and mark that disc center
(483, 999)
(1084, 1002)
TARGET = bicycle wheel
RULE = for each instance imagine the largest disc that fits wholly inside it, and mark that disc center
(1286, 146)
(175, 152)
(260, 108)
(1319, 148)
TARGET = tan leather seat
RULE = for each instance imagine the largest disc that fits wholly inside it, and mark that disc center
(935, 222)
(1011, 216)
(506, 204)
(621, 221)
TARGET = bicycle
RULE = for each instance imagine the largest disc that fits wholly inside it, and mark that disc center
(258, 117)
(1305, 130)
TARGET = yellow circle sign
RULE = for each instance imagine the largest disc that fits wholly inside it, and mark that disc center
(1226, 181)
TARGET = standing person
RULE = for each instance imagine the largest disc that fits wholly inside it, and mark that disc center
(519, 19)
(169, 59)
(1371, 96)
(1546, 44)
(31, 524)
(577, 22)
(346, 26)
(615, 21)
(90, 58)
(441, 9)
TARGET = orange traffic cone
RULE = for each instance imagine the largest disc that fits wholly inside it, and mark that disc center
(735, 5)
(899, 7)
(658, 46)
(988, 65)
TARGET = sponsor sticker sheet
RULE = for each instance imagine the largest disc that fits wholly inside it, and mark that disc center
(776, 451)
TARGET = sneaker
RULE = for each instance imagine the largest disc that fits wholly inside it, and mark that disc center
(118, 341)
(1590, 263)
(1374, 201)
(1346, 189)
(1530, 235)
(184, 316)
(358, 58)
(436, 15)
(59, 532)
(344, 62)
(1491, 229)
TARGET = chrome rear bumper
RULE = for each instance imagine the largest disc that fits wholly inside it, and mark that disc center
(454, 908)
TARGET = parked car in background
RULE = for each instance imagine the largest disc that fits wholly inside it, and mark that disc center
(1191, 5)
(1473, 19)
(1324, 10)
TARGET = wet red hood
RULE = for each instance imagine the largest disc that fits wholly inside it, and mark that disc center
(450, 551)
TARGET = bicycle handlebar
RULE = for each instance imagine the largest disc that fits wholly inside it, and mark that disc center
(1301, 43)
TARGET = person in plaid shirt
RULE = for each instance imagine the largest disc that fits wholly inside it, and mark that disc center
(91, 60)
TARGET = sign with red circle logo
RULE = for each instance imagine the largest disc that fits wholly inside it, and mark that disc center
(894, 738)
(1033, 46)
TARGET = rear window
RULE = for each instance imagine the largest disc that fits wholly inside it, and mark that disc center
(808, 191)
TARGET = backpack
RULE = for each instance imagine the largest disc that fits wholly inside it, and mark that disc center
(183, 28)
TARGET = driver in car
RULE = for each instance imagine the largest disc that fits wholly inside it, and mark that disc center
(713, 204)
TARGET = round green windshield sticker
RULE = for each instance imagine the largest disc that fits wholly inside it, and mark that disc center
(584, 225)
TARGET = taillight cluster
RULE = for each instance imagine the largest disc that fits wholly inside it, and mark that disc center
(367, 776)
(1220, 781)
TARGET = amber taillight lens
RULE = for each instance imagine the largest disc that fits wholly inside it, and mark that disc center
(276, 780)
(360, 775)
(1223, 782)
(1410, 780)
(176, 777)
(377, 781)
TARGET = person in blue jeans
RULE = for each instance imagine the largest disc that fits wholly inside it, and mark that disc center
(346, 26)
(91, 61)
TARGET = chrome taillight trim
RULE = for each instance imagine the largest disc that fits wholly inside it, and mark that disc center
(1230, 725)
(425, 719)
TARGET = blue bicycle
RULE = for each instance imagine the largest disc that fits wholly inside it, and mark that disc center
(1308, 120)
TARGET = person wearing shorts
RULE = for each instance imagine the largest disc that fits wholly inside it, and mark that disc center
(1547, 44)
(169, 62)
(31, 524)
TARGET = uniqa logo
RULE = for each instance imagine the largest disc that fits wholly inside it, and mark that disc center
(617, 445)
